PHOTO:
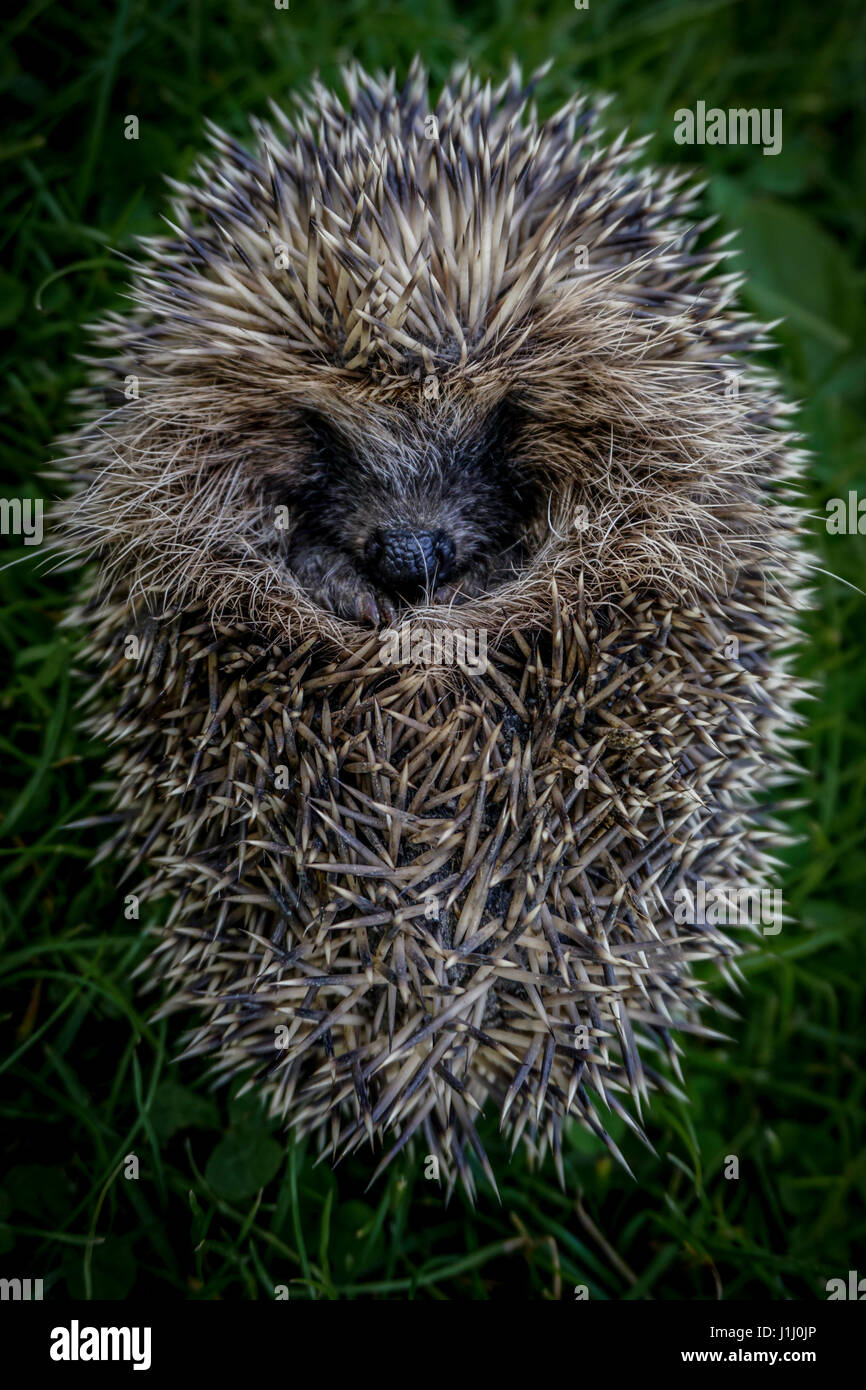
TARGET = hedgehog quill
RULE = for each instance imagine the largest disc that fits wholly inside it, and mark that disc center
(438, 369)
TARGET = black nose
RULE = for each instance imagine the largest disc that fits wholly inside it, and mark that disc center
(410, 559)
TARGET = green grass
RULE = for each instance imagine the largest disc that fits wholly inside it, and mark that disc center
(223, 1207)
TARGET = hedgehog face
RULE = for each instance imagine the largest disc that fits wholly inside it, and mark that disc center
(408, 507)
(464, 355)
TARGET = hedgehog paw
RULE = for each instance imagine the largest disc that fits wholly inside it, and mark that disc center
(331, 579)
(357, 601)
(373, 608)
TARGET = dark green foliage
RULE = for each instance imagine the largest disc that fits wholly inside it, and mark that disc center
(86, 1078)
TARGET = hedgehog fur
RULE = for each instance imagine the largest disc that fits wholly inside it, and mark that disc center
(403, 892)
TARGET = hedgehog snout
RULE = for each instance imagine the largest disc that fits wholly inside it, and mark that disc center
(404, 559)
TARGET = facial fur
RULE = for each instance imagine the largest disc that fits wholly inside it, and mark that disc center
(407, 474)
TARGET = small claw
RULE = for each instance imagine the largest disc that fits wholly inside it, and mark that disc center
(367, 610)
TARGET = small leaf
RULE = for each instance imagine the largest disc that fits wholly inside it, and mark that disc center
(113, 1270)
(175, 1107)
(242, 1163)
(39, 1190)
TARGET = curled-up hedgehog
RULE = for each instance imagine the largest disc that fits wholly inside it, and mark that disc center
(444, 562)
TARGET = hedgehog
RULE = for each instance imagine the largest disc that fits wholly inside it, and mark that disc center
(442, 566)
